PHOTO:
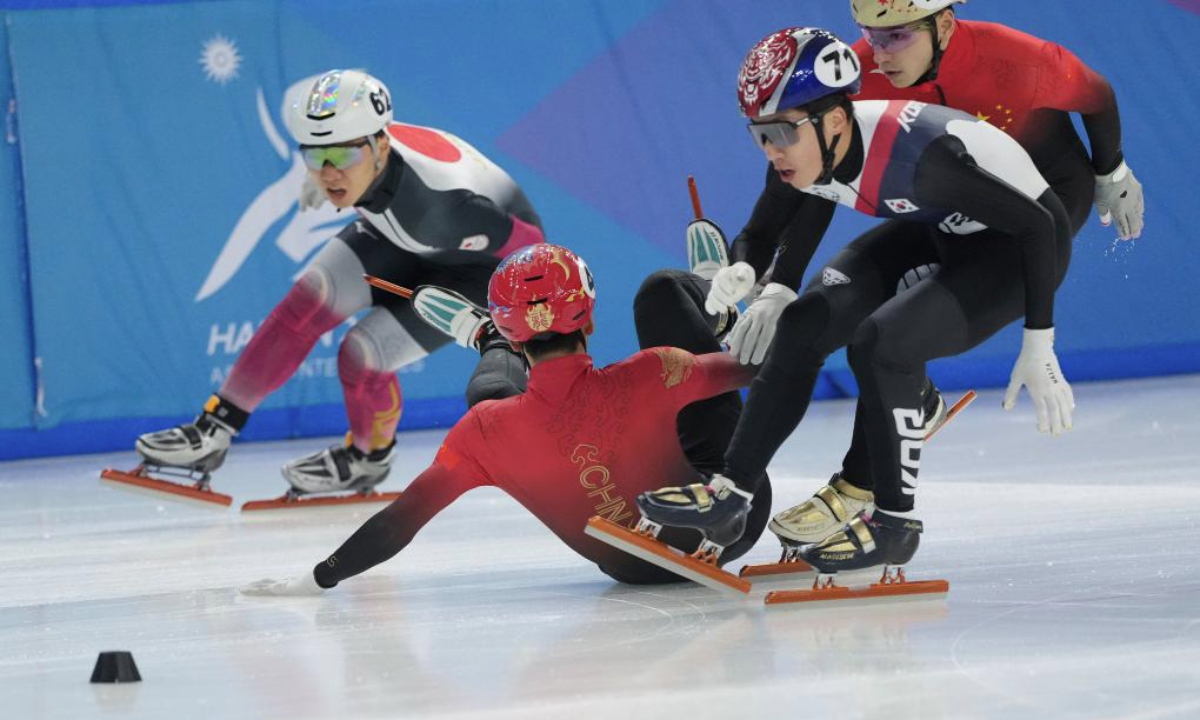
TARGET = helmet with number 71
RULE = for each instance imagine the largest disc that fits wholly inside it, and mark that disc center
(892, 13)
(793, 68)
(340, 106)
(541, 289)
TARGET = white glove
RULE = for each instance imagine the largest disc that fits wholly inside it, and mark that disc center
(707, 250)
(1119, 196)
(299, 585)
(312, 195)
(729, 285)
(755, 329)
(1037, 369)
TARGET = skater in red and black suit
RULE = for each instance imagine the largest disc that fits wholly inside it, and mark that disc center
(581, 440)
(1022, 84)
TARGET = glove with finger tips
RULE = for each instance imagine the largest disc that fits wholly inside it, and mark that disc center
(1119, 199)
(300, 585)
(729, 286)
(755, 329)
(1037, 369)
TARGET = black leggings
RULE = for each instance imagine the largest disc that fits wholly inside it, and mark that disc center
(669, 311)
(976, 292)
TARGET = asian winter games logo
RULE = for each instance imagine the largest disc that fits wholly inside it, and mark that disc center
(304, 231)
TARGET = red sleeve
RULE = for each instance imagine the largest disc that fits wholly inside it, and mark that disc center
(688, 378)
(453, 472)
(1066, 84)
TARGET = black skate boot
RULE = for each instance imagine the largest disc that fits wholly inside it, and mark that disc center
(718, 510)
(934, 407)
(866, 542)
(340, 468)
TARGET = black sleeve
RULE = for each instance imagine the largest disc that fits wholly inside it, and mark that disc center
(784, 220)
(1104, 135)
(801, 238)
(948, 177)
(760, 238)
(378, 540)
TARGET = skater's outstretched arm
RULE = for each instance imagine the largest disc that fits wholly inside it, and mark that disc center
(689, 377)
(390, 530)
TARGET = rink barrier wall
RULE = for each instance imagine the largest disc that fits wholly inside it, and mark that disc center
(146, 239)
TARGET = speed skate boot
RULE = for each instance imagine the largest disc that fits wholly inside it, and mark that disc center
(340, 468)
(934, 407)
(815, 519)
(708, 252)
(718, 510)
(454, 315)
(866, 542)
(198, 447)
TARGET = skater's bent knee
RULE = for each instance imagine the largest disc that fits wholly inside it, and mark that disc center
(659, 284)
(873, 344)
(305, 306)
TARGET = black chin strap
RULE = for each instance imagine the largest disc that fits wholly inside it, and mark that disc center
(827, 150)
(932, 73)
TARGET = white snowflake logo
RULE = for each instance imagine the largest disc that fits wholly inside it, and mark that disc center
(220, 59)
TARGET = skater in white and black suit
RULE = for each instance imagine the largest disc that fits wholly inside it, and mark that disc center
(432, 211)
(969, 198)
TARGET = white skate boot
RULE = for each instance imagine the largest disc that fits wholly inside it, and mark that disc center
(708, 253)
(340, 468)
(452, 314)
(707, 250)
(199, 446)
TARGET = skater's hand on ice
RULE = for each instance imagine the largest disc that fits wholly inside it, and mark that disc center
(1119, 197)
(305, 584)
(755, 329)
(1037, 369)
(729, 285)
(312, 196)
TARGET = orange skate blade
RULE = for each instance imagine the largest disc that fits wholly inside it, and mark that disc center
(956, 408)
(284, 503)
(139, 482)
(784, 567)
(665, 556)
(892, 591)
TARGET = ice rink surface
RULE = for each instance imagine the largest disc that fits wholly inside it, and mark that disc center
(1074, 569)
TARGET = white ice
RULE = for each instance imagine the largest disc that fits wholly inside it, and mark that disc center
(1074, 570)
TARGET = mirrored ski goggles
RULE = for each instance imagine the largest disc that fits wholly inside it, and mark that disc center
(893, 39)
(342, 157)
(779, 134)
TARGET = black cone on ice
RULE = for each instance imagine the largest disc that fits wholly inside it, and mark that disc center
(115, 666)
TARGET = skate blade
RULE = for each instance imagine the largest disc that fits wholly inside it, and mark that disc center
(284, 502)
(142, 484)
(956, 408)
(665, 557)
(786, 568)
(876, 592)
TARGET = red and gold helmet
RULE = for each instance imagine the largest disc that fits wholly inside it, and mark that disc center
(541, 289)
